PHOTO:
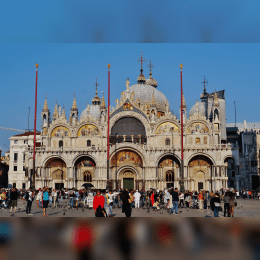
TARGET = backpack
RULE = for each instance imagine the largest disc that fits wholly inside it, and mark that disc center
(26, 196)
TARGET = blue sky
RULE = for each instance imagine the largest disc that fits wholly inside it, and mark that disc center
(68, 68)
(132, 21)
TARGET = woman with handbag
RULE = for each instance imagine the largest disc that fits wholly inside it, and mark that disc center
(126, 201)
(216, 204)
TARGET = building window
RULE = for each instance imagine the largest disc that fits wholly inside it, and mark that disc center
(23, 168)
(167, 141)
(15, 157)
(15, 168)
(15, 141)
(23, 185)
(24, 157)
(60, 143)
(26, 172)
(14, 185)
(88, 143)
(197, 140)
(205, 139)
(87, 177)
(25, 142)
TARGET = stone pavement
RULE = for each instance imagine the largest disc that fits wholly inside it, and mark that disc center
(245, 208)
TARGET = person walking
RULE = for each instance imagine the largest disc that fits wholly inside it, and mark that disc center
(152, 198)
(181, 197)
(110, 203)
(137, 197)
(216, 204)
(175, 201)
(226, 200)
(29, 197)
(232, 204)
(132, 197)
(13, 197)
(106, 205)
(54, 197)
(98, 205)
(71, 198)
(126, 201)
(45, 199)
(200, 200)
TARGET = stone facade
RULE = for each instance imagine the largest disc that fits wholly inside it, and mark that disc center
(145, 143)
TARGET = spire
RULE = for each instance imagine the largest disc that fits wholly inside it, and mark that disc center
(74, 105)
(45, 106)
(141, 78)
(183, 101)
(96, 100)
(103, 103)
(215, 103)
(204, 82)
(63, 116)
(55, 113)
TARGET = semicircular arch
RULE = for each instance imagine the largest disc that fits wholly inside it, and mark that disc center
(166, 126)
(88, 129)
(135, 115)
(122, 169)
(168, 156)
(82, 157)
(201, 156)
(60, 130)
(229, 157)
(46, 160)
(199, 126)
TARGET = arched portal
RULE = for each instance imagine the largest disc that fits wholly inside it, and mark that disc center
(84, 168)
(200, 172)
(127, 178)
(56, 169)
(231, 171)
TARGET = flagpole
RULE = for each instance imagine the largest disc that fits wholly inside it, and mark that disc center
(182, 184)
(108, 119)
(34, 140)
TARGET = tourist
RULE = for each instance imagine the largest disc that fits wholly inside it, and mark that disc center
(175, 201)
(106, 205)
(167, 204)
(137, 197)
(29, 198)
(232, 204)
(45, 199)
(13, 197)
(226, 200)
(71, 195)
(110, 203)
(152, 198)
(206, 197)
(156, 205)
(237, 194)
(98, 204)
(132, 198)
(181, 197)
(215, 202)
(54, 194)
(126, 201)
(200, 197)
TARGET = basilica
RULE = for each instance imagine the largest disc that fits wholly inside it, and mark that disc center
(145, 143)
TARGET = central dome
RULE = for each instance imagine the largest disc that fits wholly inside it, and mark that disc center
(145, 94)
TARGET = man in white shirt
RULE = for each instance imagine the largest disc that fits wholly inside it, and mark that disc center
(29, 202)
(137, 197)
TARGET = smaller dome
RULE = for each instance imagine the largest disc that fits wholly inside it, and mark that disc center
(141, 78)
(151, 81)
(96, 99)
(201, 108)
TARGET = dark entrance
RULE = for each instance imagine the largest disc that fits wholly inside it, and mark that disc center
(200, 186)
(255, 182)
(59, 186)
(170, 185)
(128, 183)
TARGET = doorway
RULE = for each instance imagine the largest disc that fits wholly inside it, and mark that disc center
(128, 183)
(59, 186)
(200, 186)
(255, 182)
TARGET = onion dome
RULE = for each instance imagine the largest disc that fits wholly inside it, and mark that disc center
(96, 100)
(141, 78)
(200, 106)
(151, 81)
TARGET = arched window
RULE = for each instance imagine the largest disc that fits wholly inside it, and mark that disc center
(169, 179)
(87, 177)
(60, 143)
(167, 141)
(88, 143)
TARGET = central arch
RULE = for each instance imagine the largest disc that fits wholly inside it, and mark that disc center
(127, 176)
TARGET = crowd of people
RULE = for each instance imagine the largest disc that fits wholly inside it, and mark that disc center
(103, 201)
